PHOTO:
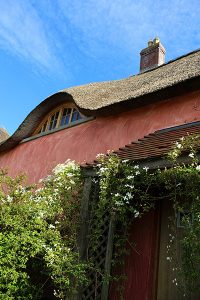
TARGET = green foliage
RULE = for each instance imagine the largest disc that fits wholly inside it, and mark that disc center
(190, 245)
(124, 187)
(39, 234)
(39, 224)
(128, 191)
(183, 185)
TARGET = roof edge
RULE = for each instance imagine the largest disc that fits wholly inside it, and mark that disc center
(33, 119)
(169, 62)
(30, 123)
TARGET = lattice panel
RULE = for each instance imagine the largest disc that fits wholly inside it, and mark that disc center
(94, 290)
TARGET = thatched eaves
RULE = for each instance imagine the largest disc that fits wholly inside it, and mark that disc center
(96, 96)
(4, 135)
(171, 79)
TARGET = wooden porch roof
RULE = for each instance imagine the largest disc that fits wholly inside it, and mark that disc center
(155, 145)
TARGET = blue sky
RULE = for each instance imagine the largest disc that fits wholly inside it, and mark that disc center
(48, 45)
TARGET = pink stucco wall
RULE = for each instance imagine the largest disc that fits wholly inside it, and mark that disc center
(37, 158)
(140, 263)
(83, 142)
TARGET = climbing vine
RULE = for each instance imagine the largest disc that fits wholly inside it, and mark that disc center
(38, 236)
(184, 239)
(40, 224)
(129, 191)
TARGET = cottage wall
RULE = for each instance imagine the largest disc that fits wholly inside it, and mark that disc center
(82, 143)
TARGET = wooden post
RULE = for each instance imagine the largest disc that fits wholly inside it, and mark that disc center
(109, 252)
(84, 219)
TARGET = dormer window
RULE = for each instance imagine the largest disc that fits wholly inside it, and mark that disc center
(65, 119)
(43, 128)
(69, 115)
(60, 117)
(53, 121)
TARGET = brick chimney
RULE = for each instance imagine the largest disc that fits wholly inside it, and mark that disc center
(152, 56)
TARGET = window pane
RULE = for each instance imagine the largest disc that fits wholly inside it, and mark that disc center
(43, 128)
(75, 116)
(65, 117)
(53, 121)
(68, 115)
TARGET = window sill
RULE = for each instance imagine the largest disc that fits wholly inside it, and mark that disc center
(57, 129)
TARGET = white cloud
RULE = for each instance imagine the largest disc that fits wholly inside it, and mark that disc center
(128, 24)
(56, 34)
(22, 32)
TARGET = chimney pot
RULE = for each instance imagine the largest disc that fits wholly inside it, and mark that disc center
(156, 40)
(150, 43)
(152, 56)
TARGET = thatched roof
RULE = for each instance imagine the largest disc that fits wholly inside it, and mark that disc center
(177, 76)
(3, 134)
(95, 96)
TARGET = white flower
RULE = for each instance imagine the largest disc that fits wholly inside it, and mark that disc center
(59, 169)
(117, 195)
(103, 169)
(146, 168)
(191, 155)
(130, 177)
(51, 226)
(94, 180)
(38, 190)
(136, 214)
(100, 155)
(69, 175)
(119, 203)
(178, 145)
(168, 258)
(129, 186)
(198, 168)
(68, 165)
(129, 195)
(41, 214)
(48, 178)
(9, 199)
(72, 164)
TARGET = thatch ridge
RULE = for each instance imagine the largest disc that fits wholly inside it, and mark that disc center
(106, 96)
(98, 95)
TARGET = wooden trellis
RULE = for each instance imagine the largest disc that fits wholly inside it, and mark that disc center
(97, 289)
